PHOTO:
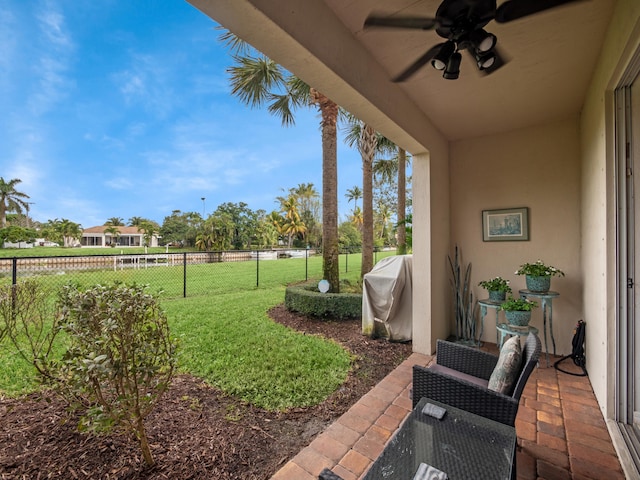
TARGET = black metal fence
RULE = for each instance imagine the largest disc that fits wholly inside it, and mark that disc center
(177, 274)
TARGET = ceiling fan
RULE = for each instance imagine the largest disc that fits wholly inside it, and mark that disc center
(461, 23)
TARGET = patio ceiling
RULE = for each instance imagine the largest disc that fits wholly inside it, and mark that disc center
(552, 56)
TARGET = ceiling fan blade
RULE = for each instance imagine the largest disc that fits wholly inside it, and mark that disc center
(419, 63)
(416, 23)
(515, 9)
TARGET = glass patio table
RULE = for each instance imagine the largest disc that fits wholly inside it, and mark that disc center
(462, 445)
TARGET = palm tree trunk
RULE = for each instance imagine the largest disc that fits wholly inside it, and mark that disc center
(330, 259)
(367, 146)
(402, 201)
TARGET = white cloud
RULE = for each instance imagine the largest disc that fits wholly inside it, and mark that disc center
(120, 183)
(145, 83)
(52, 67)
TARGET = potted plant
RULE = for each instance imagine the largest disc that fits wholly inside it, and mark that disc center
(518, 311)
(538, 275)
(497, 287)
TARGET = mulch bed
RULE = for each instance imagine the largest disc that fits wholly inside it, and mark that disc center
(197, 432)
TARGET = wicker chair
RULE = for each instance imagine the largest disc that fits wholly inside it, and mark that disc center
(460, 377)
(327, 474)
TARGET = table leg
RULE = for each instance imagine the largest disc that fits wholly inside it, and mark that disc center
(553, 340)
(483, 313)
(501, 341)
(544, 326)
(497, 313)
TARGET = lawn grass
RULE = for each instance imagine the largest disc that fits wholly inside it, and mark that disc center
(226, 337)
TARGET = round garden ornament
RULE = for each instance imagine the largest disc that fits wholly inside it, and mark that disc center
(323, 286)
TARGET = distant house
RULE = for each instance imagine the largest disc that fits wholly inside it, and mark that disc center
(129, 237)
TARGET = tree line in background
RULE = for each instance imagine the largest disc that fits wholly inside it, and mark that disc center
(296, 223)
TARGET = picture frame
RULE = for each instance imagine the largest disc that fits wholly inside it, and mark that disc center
(505, 225)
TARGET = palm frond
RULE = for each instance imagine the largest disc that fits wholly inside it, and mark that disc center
(253, 78)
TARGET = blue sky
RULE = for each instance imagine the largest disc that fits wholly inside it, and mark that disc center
(116, 108)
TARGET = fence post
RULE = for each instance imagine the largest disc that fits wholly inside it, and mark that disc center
(184, 281)
(14, 271)
(306, 265)
(257, 268)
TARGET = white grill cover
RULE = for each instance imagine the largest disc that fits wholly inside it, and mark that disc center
(387, 298)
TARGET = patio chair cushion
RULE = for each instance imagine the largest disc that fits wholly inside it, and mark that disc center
(481, 382)
(507, 370)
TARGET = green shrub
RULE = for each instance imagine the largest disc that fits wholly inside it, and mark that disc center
(121, 357)
(307, 300)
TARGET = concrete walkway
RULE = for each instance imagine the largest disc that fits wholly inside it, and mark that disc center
(561, 432)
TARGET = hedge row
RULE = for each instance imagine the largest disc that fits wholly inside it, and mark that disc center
(307, 300)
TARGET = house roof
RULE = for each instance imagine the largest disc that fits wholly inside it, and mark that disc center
(552, 58)
(123, 230)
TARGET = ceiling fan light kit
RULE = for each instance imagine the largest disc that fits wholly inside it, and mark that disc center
(441, 59)
(453, 66)
(461, 23)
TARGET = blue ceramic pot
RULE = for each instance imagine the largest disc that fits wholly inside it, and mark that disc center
(538, 284)
(497, 296)
(518, 318)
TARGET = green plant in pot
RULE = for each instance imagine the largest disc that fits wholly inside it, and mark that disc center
(538, 275)
(518, 311)
(497, 287)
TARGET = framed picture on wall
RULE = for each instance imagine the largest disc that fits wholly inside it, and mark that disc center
(506, 225)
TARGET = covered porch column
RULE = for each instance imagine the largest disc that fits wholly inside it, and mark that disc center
(431, 296)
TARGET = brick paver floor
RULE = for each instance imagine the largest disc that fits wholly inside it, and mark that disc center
(561, 431)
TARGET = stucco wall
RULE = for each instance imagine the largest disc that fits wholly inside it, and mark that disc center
(538, 168)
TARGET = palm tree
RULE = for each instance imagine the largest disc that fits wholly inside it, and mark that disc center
(356, 218)
(386, 170)
(354, 194)
(115, 222)
(114, 232)
(11, 199)
(136, 221)
(69, 231)
(293, 224)
(148, 229)
(257, 80)
(369, 143)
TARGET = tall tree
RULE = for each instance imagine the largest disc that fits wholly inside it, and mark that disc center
(369, 144)
(70, 231)
(257, 80)
(354, 194)
(11, 200)
(148, 229)
(115, 222)
(114, 232)
(386, 170)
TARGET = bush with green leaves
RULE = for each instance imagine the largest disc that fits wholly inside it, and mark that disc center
(121, 357)
(307, 300)
(29, 316)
